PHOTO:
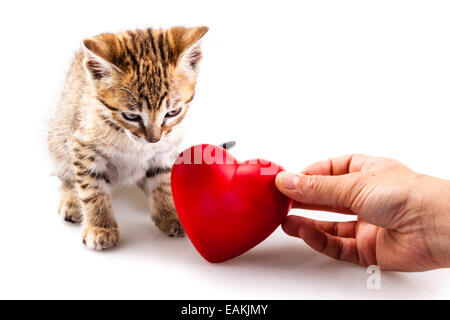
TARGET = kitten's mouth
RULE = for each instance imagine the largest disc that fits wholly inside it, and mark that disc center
(153, 140)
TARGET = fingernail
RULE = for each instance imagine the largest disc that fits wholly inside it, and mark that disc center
(288, 181)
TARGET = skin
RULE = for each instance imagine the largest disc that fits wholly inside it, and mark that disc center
(403, 218)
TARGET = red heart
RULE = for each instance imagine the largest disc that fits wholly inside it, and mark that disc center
(226, 207)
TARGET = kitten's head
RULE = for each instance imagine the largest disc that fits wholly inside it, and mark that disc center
(144, 78)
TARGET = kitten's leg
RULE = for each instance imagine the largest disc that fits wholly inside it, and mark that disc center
(99, 226)
(69, 207)
(162, 209)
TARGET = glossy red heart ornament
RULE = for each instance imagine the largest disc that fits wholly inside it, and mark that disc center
(226, 207)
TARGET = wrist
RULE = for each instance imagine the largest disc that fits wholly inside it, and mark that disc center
(436, 219)
(445, 195)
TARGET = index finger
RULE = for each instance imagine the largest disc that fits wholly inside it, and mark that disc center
(337, 166)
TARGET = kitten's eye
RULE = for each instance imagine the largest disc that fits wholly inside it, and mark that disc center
(173, 113)
(131, 116)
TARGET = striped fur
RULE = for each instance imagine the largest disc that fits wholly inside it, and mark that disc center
(118, 122)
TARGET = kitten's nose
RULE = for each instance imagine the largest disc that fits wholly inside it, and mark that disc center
(153, 134)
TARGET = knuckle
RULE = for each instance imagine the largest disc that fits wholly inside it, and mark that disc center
(357, 195)
(358, 155)
(314, 184)
(335, 229)
(347, 190)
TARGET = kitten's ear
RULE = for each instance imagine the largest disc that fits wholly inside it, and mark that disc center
(96, 56)
(187, 43)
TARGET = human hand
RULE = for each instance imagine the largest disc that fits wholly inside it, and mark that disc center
(403, 218)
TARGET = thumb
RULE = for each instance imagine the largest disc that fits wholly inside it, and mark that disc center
(333, 191)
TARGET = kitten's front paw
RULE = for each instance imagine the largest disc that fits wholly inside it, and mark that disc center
(172, 226)
(69, 209)
(164, 213)
(97, 238)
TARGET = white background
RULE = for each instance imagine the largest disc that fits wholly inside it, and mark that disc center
(292, 81)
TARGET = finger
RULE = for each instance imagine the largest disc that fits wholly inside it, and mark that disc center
(305, 206)
(331, 191)
(337, 166)
(347, 229)
(344, 249)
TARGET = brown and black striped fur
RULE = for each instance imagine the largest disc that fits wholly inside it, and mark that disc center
(119, 123)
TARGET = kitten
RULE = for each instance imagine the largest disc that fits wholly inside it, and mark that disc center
(118, 122)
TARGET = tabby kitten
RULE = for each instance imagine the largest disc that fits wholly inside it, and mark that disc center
(118, 123)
